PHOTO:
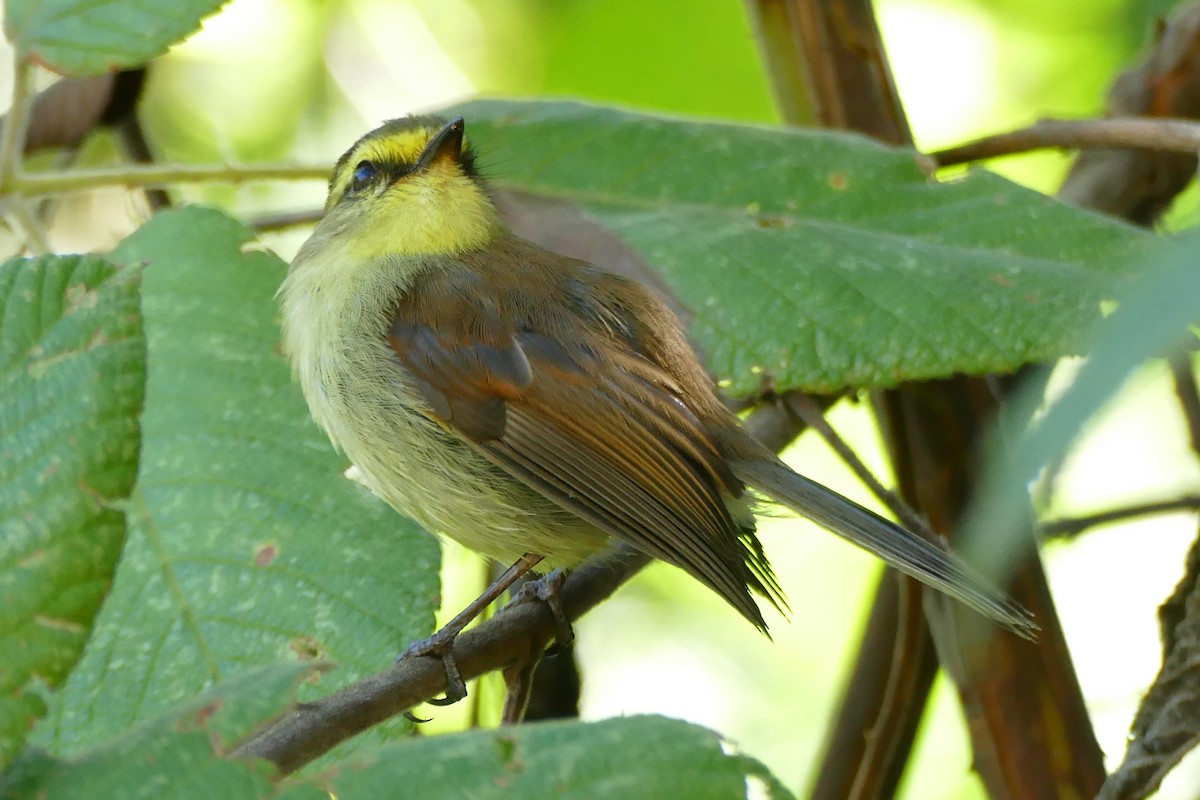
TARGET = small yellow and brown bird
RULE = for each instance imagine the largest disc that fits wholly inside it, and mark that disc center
(534, 407)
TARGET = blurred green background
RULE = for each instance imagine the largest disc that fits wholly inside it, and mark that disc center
(299, 80)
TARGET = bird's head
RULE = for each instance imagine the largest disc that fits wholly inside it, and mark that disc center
(410, 187)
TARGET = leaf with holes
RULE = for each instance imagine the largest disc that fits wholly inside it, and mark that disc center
(247, 543)
(72, 374)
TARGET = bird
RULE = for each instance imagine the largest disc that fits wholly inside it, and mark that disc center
(533, 407)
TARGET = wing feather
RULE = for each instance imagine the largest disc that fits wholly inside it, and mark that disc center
(648, 514)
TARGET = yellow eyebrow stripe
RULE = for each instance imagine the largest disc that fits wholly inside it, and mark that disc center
(397, 147)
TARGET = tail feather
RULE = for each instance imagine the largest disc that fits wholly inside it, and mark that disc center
(900, 548)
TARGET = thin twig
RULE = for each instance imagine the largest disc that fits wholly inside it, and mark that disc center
(25, 223)
(1189, 399)
(1075, 525)
(139, 177)
(812, 415)
(1146, 133)
(16, 123)
(285, 220)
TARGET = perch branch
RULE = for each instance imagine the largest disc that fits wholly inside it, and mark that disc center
(313, 728)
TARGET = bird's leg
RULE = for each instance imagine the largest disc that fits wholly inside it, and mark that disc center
(441, 644)
(518, 683)
(546, 589)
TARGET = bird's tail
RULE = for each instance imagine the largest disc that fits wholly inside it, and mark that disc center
(900, 548)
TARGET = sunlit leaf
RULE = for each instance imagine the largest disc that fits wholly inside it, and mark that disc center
(83, 37)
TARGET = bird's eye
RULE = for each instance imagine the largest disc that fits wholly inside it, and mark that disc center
(364, 173)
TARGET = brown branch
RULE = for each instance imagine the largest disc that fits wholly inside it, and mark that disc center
(1021, 700)
(933, 430)
(827, 64)
(1076, 525)
(838, 50)
(1139, 184)
(1144, 133)
(783, 58)
(313, 729)
(867, 749)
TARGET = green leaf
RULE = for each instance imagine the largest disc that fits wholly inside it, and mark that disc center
(176, 755)
(72, 374)
(630, 759)
(247, 543)
(1152, 317)
(819, 260)
(84, 37)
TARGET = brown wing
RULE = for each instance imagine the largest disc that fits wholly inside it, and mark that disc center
(537, 371)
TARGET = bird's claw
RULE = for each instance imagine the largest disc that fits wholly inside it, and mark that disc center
(547, 590)
(439, 645)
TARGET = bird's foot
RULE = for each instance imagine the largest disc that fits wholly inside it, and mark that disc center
(440, 645)
(546, 589)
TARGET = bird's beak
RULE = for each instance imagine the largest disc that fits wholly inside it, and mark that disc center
(447, 143)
